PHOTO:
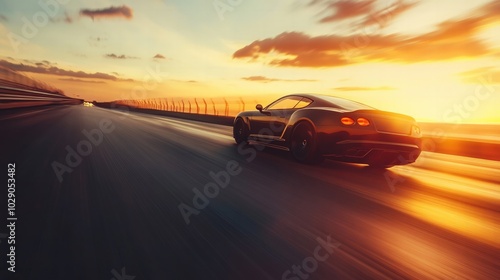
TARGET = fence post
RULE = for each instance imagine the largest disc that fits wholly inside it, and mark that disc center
(226, 109)
(242, 103)
(213, 104)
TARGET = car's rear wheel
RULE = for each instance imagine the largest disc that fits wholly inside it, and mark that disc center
(303, 145)
(240, 131)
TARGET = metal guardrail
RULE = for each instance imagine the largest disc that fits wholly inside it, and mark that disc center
(11, 97)
(4, 89)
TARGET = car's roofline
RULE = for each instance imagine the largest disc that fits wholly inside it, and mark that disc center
(314, 96)
(321, 98)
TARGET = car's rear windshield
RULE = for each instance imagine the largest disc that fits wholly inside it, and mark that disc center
(346, 104)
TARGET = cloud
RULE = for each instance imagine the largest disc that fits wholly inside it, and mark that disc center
(3, 18)
(115, 56)
(81, 81)
(122, 11)
(492, 7)
(9, 77)
(36, 62)
(263, 79)
(451, 39)
(483, 75)
(345, 9)
(338, 10)
(363, 88)
(297, 49)
(45, 68)
(159, 56)
(383, 16)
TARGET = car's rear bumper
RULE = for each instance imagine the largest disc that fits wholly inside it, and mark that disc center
(375, 149)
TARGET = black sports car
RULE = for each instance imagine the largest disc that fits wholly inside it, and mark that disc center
(313, 127)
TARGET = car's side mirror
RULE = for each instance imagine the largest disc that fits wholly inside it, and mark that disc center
(259, 107)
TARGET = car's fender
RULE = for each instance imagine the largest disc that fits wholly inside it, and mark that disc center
(245, 116)
(317, 117)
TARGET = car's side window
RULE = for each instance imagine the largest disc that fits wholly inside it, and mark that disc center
(304, 102)
(286, 103)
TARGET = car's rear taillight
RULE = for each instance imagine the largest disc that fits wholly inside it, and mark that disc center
(347, 121)
(363, 122)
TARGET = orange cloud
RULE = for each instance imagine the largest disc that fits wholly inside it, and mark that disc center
(338, 10)
(308, 51)
(159, 56)
(492, 8)
(81, 81)
(263, 79)
(451, 39)
(122, 11)
(384, 16)
(345, 9)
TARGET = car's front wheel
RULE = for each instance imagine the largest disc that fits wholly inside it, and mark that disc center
(240, 131)
(303, 145)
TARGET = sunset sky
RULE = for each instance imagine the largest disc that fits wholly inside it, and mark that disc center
(435, 60)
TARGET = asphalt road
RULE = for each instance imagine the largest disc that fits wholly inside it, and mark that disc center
(115, 213)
